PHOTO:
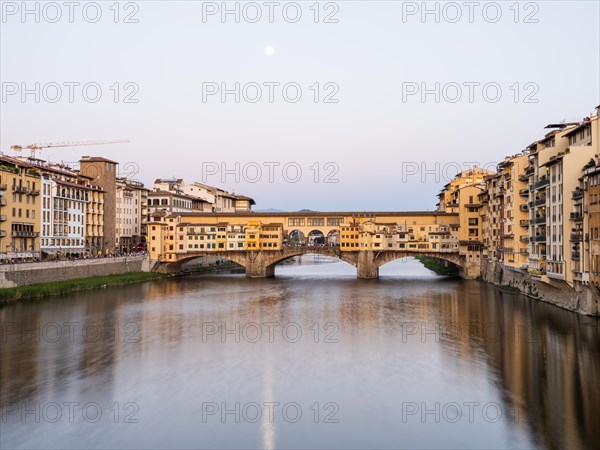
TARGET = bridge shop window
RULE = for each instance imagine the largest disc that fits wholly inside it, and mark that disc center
(316, 222)
(334, 221)
(295, 222)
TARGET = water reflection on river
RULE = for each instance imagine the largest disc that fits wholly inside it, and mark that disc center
(312, 358)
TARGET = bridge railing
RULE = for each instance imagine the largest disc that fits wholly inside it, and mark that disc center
(308, 248)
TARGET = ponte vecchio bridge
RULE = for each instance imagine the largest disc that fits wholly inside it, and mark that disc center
(259, 241)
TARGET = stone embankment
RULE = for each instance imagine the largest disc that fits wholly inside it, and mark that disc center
(580, 298)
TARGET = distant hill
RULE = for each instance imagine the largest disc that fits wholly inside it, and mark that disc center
(307, 210)
(268, 210)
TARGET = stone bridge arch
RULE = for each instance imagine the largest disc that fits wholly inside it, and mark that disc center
(290, 252)
(388, 256)
(261, 263)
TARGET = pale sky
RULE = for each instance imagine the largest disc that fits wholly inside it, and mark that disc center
(375, 53)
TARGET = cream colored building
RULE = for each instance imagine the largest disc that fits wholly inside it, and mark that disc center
(209, 198)
(556, 165)
(131, 214)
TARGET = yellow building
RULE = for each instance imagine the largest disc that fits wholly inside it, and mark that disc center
(509, 211)
(20, 208)
(95, 220)
(173, 234)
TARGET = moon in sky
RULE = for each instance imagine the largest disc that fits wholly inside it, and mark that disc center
(269, 51)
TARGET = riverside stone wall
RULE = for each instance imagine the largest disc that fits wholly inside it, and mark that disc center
(580, 298)
(12, 275)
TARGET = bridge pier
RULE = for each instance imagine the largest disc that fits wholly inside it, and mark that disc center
(260, 271)
(470, 271)
(365, 265)
(258, 265)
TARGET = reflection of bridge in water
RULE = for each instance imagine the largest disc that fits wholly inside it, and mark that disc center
(261, 263)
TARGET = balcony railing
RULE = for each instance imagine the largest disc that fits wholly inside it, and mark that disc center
(539, 220)
(523, 208)
(2, 233)
(542, 183)
(524, 239)
(26, 234)
(524, 192)
(576, 237)
(523, 177)
(524, 223)
(3, 202)
(540, 201)
(576, 255)
(3, 218)
(3, 187)
(539, 238)
(577, 194)
(19, 189)
(576, 216)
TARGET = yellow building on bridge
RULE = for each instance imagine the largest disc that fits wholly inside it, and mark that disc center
(178, 235)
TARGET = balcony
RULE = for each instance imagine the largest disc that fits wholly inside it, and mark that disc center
(26, 234)
(539, 238)
(539, 220)
(524, 239)
(542, 183)
(576, 256)
(523, 177)
(577, 194)
(2, 233)
(3, 202)
(523, 208)
(3, 218)
(540, 201)
(524, 192)
(19, 189)
(3, 187)
(576, 216)
(524, 223)
(576, 237)
(529, 170)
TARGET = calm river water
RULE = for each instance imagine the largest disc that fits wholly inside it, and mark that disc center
(310, 359)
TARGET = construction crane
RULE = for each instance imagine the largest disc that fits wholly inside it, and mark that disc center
(35, 147)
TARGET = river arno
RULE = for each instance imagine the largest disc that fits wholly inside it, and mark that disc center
(312, 358)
